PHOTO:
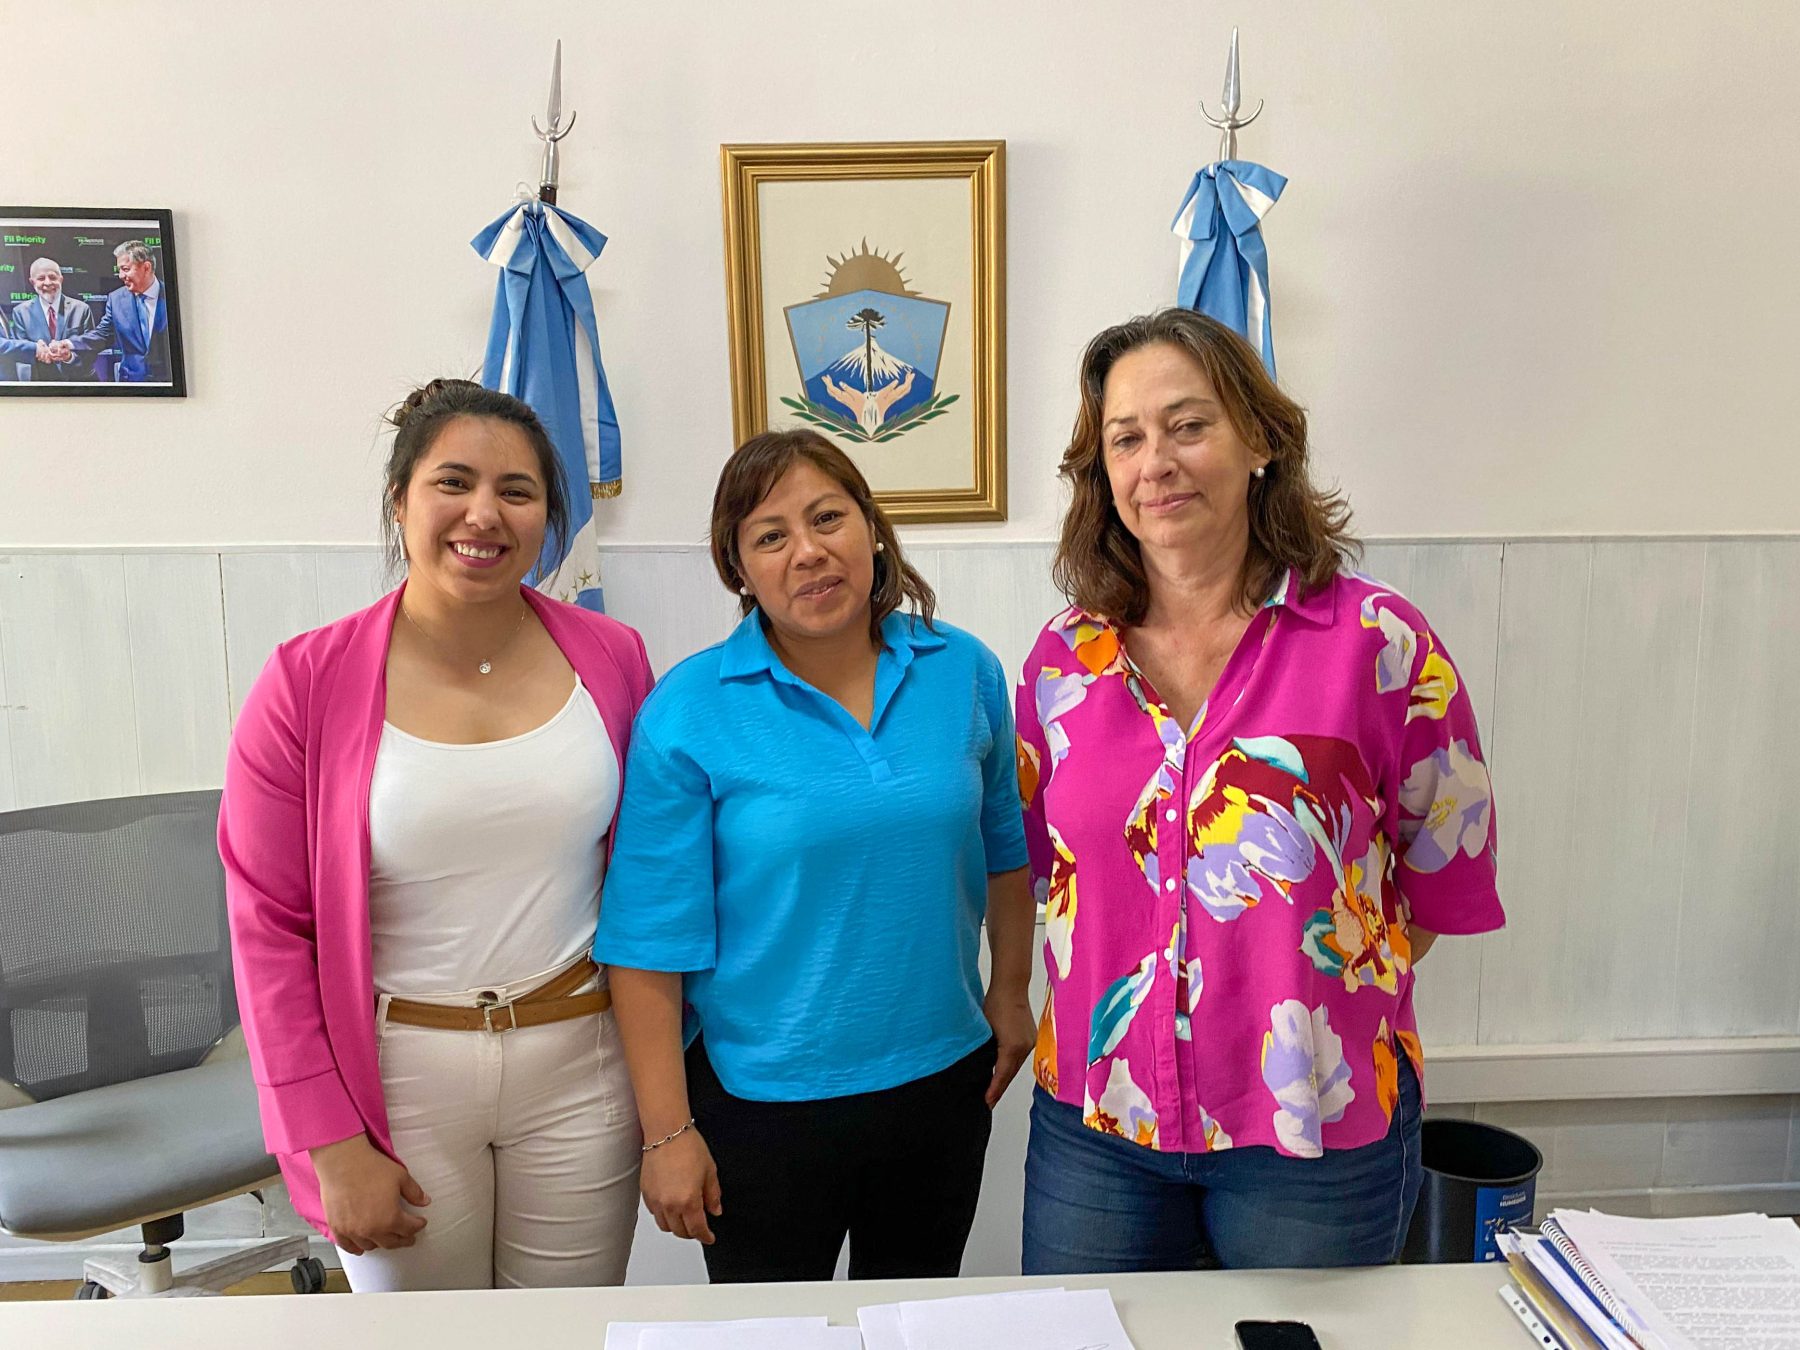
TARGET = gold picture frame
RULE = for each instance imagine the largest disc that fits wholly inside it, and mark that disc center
(908, 241)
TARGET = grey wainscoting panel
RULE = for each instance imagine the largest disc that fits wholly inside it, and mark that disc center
(1528, 974)
(1793, 1159)
(9, 798)
(1595, 894)
(269, 597)
(1726, 1141)
(1643, 637)
(927, 562)
(1604, 1146)
(176, 618)
(1740, 887)
(1447, 992)
(1390, 564)
(671, 596)
(1457, 587)
(349, 580)
(1003, 595)
(72, 709)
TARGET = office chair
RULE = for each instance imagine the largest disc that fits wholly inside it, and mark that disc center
(117, 1021)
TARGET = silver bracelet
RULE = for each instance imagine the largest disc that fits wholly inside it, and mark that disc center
(667, 1137)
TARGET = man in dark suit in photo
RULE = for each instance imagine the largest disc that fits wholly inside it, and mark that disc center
(135, 320)
(52, 318)
(17, 353)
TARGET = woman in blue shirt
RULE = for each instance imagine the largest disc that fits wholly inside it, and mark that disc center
(818, 813)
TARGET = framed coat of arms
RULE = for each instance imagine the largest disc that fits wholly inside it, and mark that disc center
(866, 295)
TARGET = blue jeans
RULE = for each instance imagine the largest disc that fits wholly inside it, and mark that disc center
(1096, 1203)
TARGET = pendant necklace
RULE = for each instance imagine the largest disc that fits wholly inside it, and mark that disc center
(487, 666)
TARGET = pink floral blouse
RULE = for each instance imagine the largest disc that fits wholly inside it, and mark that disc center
(1226, 911)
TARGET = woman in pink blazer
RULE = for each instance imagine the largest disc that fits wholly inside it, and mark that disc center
(418, 810)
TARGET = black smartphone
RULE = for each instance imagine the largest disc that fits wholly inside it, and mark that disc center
(1276, 1336)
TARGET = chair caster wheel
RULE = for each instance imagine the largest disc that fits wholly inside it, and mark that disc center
(88, 1289)
(308, 1275)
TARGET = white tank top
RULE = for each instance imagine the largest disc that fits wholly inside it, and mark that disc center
(485, 861)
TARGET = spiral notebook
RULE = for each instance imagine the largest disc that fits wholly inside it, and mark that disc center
(1551, 1230)
(1715, 1283)
(1546, 1275)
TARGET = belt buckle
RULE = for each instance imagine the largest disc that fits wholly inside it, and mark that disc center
(488, 1002)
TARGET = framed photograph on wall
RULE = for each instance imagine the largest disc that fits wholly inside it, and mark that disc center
(89, 303)
(866, 294)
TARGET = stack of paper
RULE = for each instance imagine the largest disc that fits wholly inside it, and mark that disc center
(1028, 1319)
(761, 1333)
(1601, 1281)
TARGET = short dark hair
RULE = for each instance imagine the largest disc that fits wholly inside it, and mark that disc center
(422, 416)
(751, 474)
(1293, 522)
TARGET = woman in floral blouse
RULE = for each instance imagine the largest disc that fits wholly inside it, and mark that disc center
(1254, 797)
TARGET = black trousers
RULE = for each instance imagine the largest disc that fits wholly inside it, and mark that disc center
(898, 1170)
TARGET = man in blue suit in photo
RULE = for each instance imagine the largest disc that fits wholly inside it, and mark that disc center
(52, 318)
(135, 320)
(16, 353)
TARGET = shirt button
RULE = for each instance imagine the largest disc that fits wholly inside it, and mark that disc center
(1170, 817)
(1169, 885)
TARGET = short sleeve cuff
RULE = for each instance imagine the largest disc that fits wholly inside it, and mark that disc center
(673, 958)
(1463, 911)
(1007, 855)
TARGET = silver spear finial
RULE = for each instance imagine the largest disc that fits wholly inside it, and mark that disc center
(554, 132)
(1229, 102)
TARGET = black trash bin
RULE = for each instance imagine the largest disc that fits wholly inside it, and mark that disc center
(1478, 1180)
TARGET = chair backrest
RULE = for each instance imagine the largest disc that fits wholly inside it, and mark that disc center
(115, 959)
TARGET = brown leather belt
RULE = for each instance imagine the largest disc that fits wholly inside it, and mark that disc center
(553, 1001)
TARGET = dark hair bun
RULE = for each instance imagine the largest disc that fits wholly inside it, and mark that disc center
(429, 393)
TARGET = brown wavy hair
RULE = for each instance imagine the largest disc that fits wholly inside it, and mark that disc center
(751, 474)
(1293, 522)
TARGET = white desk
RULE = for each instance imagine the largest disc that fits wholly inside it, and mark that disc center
(1395, 1308)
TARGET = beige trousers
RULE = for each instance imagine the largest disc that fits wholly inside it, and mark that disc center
(526, 1142)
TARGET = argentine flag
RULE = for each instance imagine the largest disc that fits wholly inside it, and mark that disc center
(544, 348)
(1224, 267)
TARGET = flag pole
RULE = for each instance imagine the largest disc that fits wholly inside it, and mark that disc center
(1229, 123)
(552, 133)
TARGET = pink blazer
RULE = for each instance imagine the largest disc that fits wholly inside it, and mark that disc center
(294, 837)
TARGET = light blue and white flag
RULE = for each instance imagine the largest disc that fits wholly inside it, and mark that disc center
(544, 348)
(1224, 269)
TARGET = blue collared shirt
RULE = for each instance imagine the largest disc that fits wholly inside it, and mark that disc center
(820, 886)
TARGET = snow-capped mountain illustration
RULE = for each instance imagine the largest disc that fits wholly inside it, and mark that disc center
(850, 366)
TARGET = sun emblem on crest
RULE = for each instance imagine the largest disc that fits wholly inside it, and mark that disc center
(864, 269)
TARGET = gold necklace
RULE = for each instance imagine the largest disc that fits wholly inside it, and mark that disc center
(487, 666)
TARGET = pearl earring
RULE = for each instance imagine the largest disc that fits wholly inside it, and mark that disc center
(743, 590)
(1259, 471)
(880, 547)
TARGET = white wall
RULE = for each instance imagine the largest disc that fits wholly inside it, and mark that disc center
(1532, 276)
(1533, 273)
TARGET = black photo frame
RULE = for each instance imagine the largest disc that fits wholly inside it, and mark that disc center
(100, 307)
